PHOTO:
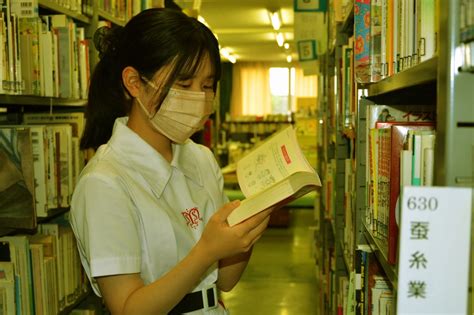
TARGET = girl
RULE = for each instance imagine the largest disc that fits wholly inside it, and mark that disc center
(149, 212)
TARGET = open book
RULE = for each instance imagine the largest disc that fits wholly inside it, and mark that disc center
(273, 174)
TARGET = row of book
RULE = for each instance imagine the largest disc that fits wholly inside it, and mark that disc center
(393, 35)
(44, 55)
(125, 9)
(366, 290)
(83, 7)
(400, 152)
(41, 273)
(466, 28)
(41, 162)
(466, 21)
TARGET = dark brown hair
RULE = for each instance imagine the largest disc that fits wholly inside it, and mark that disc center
(151, 40)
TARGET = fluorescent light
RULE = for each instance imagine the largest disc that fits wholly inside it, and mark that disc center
(275, 19)
(226, 53)
(289, 58)
(286, 45)
(280, 39)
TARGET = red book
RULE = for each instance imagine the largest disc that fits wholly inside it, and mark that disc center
(399, 132)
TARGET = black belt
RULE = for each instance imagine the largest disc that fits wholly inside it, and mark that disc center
(204, 299)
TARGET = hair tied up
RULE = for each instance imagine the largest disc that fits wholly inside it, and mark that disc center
(106, 40)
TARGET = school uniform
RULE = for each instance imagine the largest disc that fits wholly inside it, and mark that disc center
(134, 212)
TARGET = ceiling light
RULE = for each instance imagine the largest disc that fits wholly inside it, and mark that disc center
(280, 39)
(226, 53)
(286, 45)
(275, 19)
(289, 59)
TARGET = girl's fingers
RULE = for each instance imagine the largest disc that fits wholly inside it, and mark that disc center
(226, 210)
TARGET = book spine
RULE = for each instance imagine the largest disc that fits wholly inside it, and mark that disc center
(416, 161)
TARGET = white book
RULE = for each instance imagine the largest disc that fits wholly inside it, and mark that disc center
(7, 288)
(52, 172)
(275, 172)
(40, 149)
(53, 229)
(10, 44)
(83, 63)
(20, 256)
(395, 34)
(426, 24)
(46, 44)
(427, 159)
(37, 266)
(63, 143)
(416, 160)
(3, 54)
(55, 52)
(410, 31)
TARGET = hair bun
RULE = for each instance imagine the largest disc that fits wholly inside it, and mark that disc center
(106, 40)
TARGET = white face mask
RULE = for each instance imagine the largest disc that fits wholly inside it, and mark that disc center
(181, 113)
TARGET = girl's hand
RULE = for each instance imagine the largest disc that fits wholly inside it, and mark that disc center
(220, 241)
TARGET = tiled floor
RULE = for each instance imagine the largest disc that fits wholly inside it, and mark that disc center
(280, 278)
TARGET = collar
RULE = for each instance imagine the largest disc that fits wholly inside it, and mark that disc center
(148, 162)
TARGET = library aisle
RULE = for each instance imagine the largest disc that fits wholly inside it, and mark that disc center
(280, 278)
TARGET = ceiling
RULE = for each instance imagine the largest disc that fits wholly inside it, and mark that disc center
(243, 26)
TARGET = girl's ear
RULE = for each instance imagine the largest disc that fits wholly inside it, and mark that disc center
(131, 80)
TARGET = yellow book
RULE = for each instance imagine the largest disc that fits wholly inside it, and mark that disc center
(274, 173)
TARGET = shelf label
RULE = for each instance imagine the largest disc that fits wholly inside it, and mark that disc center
(310, 5)
(435, 237)
(307, 50)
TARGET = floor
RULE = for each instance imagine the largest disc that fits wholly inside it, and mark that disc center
(280, 277)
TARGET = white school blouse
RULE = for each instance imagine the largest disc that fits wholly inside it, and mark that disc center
(134, 212)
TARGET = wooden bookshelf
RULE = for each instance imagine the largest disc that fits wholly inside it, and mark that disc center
(109, 17)
(413, 85)
(30, 100)
(390, 270)
(53, 6)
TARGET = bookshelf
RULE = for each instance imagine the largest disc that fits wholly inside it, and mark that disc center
(104, 15)
(443, 82)
(57, 8)
(15, 105)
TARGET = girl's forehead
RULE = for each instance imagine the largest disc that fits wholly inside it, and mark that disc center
(198, 68)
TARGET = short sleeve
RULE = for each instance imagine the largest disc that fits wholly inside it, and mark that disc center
(105, 224)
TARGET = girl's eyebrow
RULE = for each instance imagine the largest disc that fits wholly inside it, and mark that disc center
(192, 76)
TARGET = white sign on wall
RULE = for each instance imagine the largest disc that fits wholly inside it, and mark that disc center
(435, 235)
(307, 50)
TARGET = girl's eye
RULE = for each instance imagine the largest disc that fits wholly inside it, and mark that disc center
(183, 85)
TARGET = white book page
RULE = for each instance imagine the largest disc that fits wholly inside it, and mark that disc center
(278, 157)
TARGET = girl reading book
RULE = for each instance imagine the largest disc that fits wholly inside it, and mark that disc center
(149, 212)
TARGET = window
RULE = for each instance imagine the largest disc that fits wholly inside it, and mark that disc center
(285, 85)
(258, 89)
(280, 82)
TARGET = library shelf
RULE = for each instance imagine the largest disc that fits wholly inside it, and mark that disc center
(390, 270)
(109, 17)
(82, 297)
(53, 6)
(53, 213)
(413, 85)
(6, 231)
(31, 100)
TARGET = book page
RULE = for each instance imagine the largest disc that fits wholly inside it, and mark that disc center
(276, 158)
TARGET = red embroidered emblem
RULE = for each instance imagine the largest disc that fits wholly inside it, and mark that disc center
(192, 216)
